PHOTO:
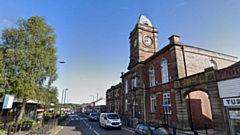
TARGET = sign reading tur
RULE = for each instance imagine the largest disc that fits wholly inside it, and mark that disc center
(231, 102)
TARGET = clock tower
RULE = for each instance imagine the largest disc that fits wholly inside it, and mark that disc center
(143, 41)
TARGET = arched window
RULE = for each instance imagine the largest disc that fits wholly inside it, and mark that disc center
(151, 76)
(164, 71)
(213, 64)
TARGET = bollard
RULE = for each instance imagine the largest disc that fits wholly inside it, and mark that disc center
(9, 130)
(206, 128)
(174, 131)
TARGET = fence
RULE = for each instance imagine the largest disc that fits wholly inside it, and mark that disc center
(132, 123)
(42, 130)
(39, 130)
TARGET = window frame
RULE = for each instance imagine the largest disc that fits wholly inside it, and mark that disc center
(151, 76)
(167, 100)
(153, 105)
(126, 87)
(134, 80)
(164, 71)
(126, 105)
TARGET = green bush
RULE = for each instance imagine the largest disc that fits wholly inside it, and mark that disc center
(47, 118)
(34, 123)
(2, 132)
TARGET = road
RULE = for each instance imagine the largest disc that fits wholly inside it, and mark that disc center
(78, 124)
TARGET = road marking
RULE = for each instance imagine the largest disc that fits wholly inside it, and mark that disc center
(127, 129)
(95, 132)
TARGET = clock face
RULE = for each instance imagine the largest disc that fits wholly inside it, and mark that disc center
(135, 42)
(147, 40)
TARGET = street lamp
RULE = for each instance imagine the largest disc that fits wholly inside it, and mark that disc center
(97, 99)
(62, 102)
(93, 97)
(65, 97)
(62, 62)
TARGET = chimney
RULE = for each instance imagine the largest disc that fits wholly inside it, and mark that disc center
(175, 39)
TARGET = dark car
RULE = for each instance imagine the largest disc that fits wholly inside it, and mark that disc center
(145, 129)
(93, 117)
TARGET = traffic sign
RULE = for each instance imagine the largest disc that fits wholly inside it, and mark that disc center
(165, 105)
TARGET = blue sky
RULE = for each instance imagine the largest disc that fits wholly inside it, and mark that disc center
(93, 35)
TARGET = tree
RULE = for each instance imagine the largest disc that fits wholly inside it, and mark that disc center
(30, 60)
(50, 97)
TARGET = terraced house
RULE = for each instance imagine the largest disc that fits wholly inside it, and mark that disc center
(159, 84)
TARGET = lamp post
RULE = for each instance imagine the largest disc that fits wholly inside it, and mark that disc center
(93, 97)
(62, 102)
(65, 97)
(97, 99)
(62, 62)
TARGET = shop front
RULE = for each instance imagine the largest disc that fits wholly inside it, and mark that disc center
(233, 113)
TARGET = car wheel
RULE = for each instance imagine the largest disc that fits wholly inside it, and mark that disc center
(106, 127)
(99, 124)
(119, 128)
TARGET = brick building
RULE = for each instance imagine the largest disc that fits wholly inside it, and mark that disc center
(113, 98)
(156, 86)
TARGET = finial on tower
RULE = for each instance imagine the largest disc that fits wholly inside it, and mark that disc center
(144, 20)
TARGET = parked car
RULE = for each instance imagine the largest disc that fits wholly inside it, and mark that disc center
(110, 120)
(93, 116)
(145, 129)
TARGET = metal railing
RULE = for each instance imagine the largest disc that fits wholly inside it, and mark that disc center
(132, 123)
(38, 130)
(129, 122)
(43, 130)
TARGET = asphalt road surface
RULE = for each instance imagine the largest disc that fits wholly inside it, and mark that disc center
(78, 124)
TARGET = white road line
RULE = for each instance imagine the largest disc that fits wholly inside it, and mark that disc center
(95, 132)
(90, 127)
(127, 129)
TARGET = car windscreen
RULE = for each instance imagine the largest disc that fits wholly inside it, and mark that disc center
(112, 116)
(159, 131)
(94, 114)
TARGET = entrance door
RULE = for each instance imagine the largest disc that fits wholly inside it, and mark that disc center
(234, 120)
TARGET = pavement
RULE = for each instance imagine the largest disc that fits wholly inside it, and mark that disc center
(53, 131)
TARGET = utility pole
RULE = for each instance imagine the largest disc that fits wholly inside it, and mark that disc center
(97, 99)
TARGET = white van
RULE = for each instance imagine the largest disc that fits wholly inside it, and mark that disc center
(110, 120)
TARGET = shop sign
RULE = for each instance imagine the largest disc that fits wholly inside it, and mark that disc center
(234, 114)
(228, 73)
(8, 101)
(231, 102)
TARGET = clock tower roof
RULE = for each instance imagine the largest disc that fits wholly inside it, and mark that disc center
(144, 20)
